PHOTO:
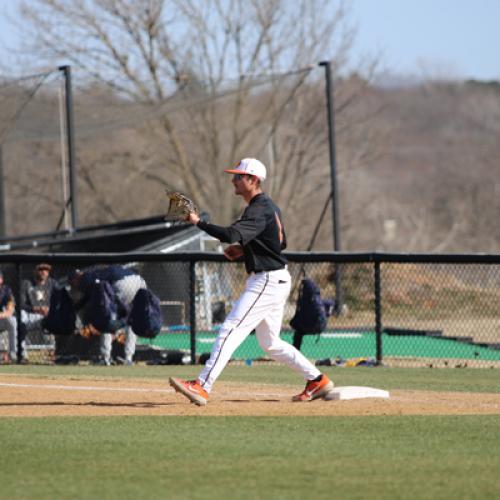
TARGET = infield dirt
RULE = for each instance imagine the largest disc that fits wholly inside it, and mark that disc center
(46, 396)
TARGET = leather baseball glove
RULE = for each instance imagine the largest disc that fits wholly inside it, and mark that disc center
(179, 206)
(88, 331)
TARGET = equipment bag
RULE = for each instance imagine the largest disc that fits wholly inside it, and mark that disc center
(146, 318)
(61, 318)
(102, 308)
(310, 315)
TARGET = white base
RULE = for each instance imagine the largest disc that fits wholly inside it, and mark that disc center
(352, 392)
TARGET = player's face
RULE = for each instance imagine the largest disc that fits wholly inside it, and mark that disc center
(242, 183)
(42, 274)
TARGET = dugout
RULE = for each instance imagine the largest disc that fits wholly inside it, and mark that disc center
(168, 280)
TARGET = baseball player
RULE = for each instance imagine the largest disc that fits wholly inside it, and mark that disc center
(259, 236)
(125, 283)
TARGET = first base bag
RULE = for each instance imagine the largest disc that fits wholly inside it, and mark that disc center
(146, 318)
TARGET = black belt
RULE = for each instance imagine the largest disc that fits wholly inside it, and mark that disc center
(269, 270)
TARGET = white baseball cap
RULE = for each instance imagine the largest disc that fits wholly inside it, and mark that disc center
(249, 166)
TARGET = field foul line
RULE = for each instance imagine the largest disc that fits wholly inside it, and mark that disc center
(85, 388)
(118, 389)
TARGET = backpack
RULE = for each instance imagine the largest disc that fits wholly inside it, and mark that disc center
(61, 318)
(146, 318)
(310, 315)
(102, 310)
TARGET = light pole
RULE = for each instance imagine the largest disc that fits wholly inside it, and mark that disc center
(333, 180)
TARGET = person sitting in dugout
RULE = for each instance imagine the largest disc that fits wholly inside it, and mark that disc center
(8, 320)
(35, 303)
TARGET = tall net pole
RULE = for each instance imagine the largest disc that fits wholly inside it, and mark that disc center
(71, 147)
(333, 179)
(64, 166)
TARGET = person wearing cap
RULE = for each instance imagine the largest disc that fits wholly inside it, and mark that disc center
(258, 236)
(8, 320)
(35, 302)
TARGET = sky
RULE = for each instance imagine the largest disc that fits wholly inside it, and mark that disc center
(426, 38)
(458, 37)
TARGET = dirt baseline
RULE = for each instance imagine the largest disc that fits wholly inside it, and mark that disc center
(47, 396)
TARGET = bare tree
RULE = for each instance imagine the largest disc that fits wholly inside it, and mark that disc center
(180, 57)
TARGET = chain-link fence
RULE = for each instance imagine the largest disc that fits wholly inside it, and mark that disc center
(396, 310)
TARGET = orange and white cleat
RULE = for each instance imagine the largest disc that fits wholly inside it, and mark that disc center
(315, 389)
(191, 389)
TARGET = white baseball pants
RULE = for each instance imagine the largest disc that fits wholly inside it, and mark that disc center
(10, 324)
(125, 289)
(259, 308)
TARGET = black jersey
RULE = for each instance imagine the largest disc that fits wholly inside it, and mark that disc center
(259, 231)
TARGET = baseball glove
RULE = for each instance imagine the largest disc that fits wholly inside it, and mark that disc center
(179, 206)
(88, 331)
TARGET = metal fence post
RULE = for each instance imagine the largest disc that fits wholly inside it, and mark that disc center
(378, 314)
(17, 296)
(339, 299)
(2, 198)
(71, 146)
(192, 308)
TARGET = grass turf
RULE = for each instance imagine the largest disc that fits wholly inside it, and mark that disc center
(436, 379)
(189, 457)
(345, 345)
(256, 457)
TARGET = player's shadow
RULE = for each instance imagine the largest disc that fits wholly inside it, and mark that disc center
(89, 403)
(126, 405)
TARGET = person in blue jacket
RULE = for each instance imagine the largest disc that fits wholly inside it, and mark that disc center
(125, 283)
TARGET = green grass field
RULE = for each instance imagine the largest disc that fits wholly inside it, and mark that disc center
(256, 457)
(346, 345)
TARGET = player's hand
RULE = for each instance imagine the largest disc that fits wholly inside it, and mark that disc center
(232, 252)
(193, 218)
